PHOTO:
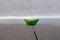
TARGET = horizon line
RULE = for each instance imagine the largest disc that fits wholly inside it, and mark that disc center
(28, 17)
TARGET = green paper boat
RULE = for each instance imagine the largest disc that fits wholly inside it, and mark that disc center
(31, 22)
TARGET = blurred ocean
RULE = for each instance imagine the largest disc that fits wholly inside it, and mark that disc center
(21, 21)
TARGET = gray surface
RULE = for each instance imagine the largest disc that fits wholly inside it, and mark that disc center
(29, 7)
(48, 32)
(16, 32)
(23, 32)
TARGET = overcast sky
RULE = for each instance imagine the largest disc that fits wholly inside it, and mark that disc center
(29, 7)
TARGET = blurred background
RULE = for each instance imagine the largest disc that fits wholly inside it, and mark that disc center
(51, 21)
(16, 29)
(29, 7)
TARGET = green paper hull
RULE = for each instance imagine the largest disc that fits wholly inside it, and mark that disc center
(31, 22)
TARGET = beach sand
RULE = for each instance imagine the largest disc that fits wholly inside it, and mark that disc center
(24, 32)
